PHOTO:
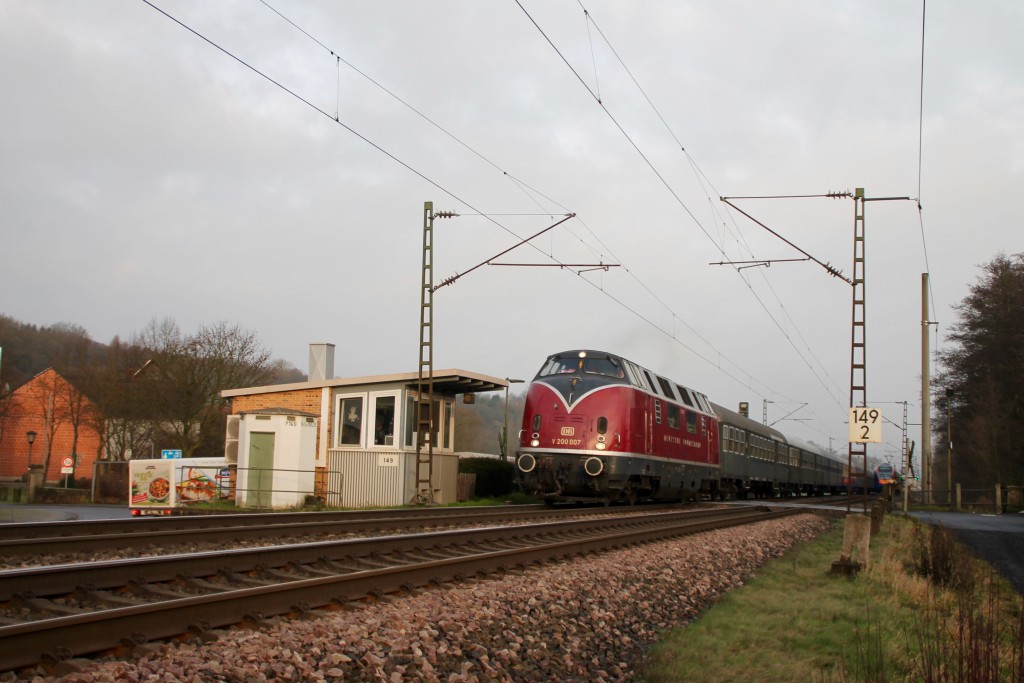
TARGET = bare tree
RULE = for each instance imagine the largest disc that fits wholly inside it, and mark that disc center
(189, 372)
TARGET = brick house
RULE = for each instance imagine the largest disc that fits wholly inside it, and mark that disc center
(47, 407)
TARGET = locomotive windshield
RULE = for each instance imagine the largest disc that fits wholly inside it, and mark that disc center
(606, 366)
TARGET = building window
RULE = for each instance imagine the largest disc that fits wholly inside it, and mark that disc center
(384, 420)
(350, 421)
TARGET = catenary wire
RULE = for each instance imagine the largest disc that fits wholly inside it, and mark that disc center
(524, 186)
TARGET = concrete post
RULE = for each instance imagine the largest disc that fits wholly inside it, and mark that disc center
(35, 480)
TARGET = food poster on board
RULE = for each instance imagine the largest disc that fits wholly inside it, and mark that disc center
(151, 483)
(201, 482)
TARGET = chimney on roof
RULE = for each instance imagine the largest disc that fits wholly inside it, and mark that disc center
(321, 362)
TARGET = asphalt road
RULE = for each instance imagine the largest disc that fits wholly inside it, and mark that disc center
(997, 539)
(10, 513)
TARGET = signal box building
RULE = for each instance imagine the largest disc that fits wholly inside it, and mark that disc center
(351, 442)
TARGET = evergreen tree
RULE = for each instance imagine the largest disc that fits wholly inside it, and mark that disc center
(980, 391)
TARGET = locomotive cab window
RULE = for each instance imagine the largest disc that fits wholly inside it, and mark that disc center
(557, 365)
(606, 367)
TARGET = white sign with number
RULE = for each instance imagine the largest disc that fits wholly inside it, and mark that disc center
(387, 460)
(67, 465)
(865, 425)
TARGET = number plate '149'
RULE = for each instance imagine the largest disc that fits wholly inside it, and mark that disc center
(865, 425)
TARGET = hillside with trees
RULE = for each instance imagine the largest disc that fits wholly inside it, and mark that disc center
(159, 390)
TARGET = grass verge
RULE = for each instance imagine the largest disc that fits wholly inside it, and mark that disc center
(924, 610)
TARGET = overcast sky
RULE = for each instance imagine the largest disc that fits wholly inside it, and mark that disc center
(145, 173)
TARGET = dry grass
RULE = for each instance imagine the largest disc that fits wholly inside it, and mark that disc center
(924, 610)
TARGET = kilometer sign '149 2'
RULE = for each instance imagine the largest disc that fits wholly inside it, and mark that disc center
(865, 425)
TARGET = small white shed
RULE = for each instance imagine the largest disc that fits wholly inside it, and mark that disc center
(276, 458)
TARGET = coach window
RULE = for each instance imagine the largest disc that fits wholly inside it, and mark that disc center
(350, 421)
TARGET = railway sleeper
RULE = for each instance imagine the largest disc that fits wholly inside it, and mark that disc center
(102, 597)
(236, 579)
(149, 590)
(48, 606)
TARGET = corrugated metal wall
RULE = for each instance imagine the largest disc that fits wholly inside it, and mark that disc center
(362, 481)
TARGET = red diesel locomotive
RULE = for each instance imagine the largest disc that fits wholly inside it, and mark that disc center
(599, 427)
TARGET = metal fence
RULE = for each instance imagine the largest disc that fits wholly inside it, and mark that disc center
(996, 499)
(263, 488)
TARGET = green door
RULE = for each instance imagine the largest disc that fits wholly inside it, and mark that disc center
(261, 468)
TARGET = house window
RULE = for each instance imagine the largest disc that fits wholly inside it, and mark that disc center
(384, 420)
(350, 421)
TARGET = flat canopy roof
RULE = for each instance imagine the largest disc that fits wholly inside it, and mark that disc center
(446, 383)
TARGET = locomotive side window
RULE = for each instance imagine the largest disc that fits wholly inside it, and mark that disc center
(650, 382)
(685, 395)
(635, 376)
(691, 422)
(666, 388)
(672, 415)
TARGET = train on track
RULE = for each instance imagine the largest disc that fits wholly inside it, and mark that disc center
(598, 427)
(883, 475)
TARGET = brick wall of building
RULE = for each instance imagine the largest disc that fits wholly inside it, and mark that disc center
(306, 400)
(28, 412)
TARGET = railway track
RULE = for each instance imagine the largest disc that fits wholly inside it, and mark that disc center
(58, 612)
(55, 538)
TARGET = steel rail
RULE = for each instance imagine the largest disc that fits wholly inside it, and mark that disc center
(28, 643)
(23, 530)
(117, 534)
(65, 578)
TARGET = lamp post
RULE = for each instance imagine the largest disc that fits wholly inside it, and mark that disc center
(504, 430)
(31, 436)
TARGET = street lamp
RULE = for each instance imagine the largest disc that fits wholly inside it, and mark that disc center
(504, 430)
(31, 436)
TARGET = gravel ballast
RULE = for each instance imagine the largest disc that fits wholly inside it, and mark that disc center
(586, 620)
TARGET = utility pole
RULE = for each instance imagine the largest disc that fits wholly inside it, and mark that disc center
(425, 382)
(926, 394)
(858, 339)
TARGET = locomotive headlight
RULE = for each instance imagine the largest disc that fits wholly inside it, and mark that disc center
(600, 446)
(535, 443)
